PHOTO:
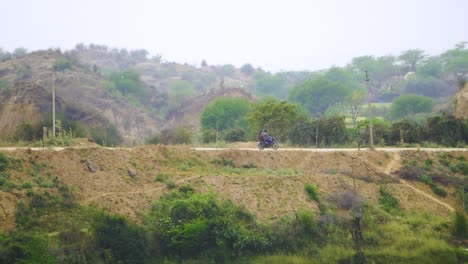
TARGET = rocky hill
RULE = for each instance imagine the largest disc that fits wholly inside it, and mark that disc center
(461, 105)
(84, 85)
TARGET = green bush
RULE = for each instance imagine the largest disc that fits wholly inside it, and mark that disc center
(439, 190)
(26, 248)
(426, 179)
(312, 192)
(121, 241)
(387, 202)
(189, 225)
(460, 227)
(61, 64)
(4, 162)
(462, 166)
(235, 135)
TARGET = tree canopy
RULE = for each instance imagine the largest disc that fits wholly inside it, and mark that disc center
(319, 94)
(409, 104)
(225, 113)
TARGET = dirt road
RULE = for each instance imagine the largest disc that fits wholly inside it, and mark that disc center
(255, 149)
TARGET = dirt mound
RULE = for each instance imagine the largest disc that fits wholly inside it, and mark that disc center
(269, 183)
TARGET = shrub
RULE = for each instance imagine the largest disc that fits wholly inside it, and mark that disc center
(411, 172)
(312, 192)
(387, 202)
(462, 166)
(426, 179)
(4, 162)
(124, 242)
(235, 135)
(178, 135)
(439, 190)
(61, 64)
(460, 227)
(154, 140)
(189, 225)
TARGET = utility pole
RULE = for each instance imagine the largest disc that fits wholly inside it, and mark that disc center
(371, 136)
(53, 103)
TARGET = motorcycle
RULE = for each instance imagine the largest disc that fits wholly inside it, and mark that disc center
(274, 144)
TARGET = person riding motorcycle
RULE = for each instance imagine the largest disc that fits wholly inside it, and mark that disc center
(266, 138)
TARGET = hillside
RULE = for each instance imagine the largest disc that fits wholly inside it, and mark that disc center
(136, 97)
(269, 184)
(461, 106)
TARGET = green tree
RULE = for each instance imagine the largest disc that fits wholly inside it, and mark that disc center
(318, 94)
(411, 58)
(226, 113)
(431, 66)
(456, 60)
(228, 70)
(20, 52)
(409, 104)
(276, 116)
(425, 85)
(128, 82)
(247, 69)
(379, 69)
(270, 85)
(61, 64)
(447, 130)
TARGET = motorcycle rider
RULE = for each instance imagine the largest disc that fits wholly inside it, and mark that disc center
(266, 138)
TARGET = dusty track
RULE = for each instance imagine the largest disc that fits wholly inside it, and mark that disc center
(395, 164)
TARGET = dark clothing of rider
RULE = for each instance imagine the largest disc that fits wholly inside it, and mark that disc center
(266, 138)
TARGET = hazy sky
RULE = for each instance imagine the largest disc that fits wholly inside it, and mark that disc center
(272, 34)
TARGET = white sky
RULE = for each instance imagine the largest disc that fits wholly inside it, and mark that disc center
(272, 34)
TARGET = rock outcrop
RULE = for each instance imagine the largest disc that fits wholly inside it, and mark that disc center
(461, 103)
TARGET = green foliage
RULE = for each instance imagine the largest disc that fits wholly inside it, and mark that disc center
(409, 104)
(177, 135)
(378, 68)
(462, 167)
(432, 66)
(425, 85)
(235, 135)
(26, 132)
(274, 115)
(23, 72)
(4, 162)
(189, 225)
(106, 135)
(154, 140)
(460, 225)
(224, 114)
(5, 87)
(22, 247)
(128, 82)
(319, 94)
(312, 192)
(387, 202)
(228, 70)
(426, 179)
(270, 85)
(180, 89)
(61, 64)
(247, 69)
(122, 241)
(411, 58)
(447, 130)
(439, 190)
